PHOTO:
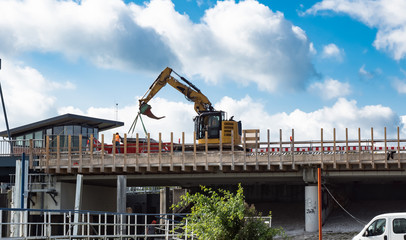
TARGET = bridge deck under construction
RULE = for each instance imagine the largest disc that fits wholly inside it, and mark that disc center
(252, 156)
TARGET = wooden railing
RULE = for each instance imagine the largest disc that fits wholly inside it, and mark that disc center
(148, 156)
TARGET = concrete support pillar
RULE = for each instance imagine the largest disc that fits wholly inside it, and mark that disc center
(121, 193)
(164, 201)
(78, 202)
(311, 209)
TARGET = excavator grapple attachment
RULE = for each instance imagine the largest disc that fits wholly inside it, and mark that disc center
(145, 109)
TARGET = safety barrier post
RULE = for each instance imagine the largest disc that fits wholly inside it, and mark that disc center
(399, 165)
(386, 151)
(183, 151)
(359, 148)
(334, 149)
(47, 155)
(125, 153)
(372, 148)
(31, 155)
(347, 163)
(245, 152)
(149, 152)
(58, 154)
(160, 152)
(221, 151)
(194, 152)
(280, 150)
(269, 149)
(91, 152)
(232, 149)
(321, 149)
(171, 167)
(80, 153)
(69, 154)
(319, 203)
(102, 153)
(137, 152)
(206, 167)
(292, 149)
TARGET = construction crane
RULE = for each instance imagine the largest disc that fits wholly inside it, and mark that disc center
(208, 121)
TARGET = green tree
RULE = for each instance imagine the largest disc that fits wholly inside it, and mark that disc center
(222, 215)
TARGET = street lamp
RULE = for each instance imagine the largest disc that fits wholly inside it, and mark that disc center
(5, 116)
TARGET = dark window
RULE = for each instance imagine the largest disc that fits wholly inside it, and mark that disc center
(399, 225)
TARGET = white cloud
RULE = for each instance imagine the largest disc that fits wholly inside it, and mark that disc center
(387, 17)
(331, 88)
(179, 117)
(343, 114)
(244, 41)
(332, 51)
(27, 94)
(100, 31)
(399, 85)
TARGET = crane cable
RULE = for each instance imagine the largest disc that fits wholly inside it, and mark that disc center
(132, 128)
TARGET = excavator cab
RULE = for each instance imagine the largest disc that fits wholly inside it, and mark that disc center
(215, 123)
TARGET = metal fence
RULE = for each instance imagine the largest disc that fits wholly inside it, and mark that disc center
(70, 224)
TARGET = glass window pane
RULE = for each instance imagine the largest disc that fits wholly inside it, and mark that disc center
(84, 131)
(76, 130)
(399, 225)
(96, 133)
(19, 141)
(49, 131)
(58, 130)
(68, 130)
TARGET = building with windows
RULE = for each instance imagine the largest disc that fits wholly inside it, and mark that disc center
(63, 126)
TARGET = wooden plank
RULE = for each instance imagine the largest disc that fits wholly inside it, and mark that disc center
(137, 152)
(58, 154)
(31, 154)
(221, 152)
(347, 162)
(171, 167)
(280, 150)
(69, 154)
(91, 152)
(183, 151)
(102, 153)
(334, 149)
(269, 149)
(232, 149)
(386, 151)
(125, 153)
(160, 153)
(256, 152)
(359, 148)
(194, 152)
(399, 164)
(245, 150)
(321, 149)
(372, 148)
(149, 151)
(80, 153)
(206, 166)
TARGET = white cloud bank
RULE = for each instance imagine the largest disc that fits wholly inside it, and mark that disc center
(343, 114)
(27, 94)
(245, 42)
(330, 89)
(387, 16)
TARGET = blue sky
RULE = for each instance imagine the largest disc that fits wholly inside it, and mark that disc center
(274, 65)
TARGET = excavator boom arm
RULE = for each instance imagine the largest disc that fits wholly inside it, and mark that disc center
(191, 92)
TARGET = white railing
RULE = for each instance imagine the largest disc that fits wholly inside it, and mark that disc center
(60, 224)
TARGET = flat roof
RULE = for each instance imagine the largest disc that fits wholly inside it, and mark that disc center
(66, 119)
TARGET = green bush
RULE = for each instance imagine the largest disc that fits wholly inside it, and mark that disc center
(222, 215)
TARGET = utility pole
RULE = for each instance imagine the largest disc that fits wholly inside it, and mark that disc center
(5, 116)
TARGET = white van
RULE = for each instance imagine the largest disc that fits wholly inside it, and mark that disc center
(389, 226)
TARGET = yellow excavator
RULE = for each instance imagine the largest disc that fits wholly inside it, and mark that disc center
(208, 119)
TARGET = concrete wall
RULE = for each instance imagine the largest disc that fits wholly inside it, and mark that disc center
(95, 198)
